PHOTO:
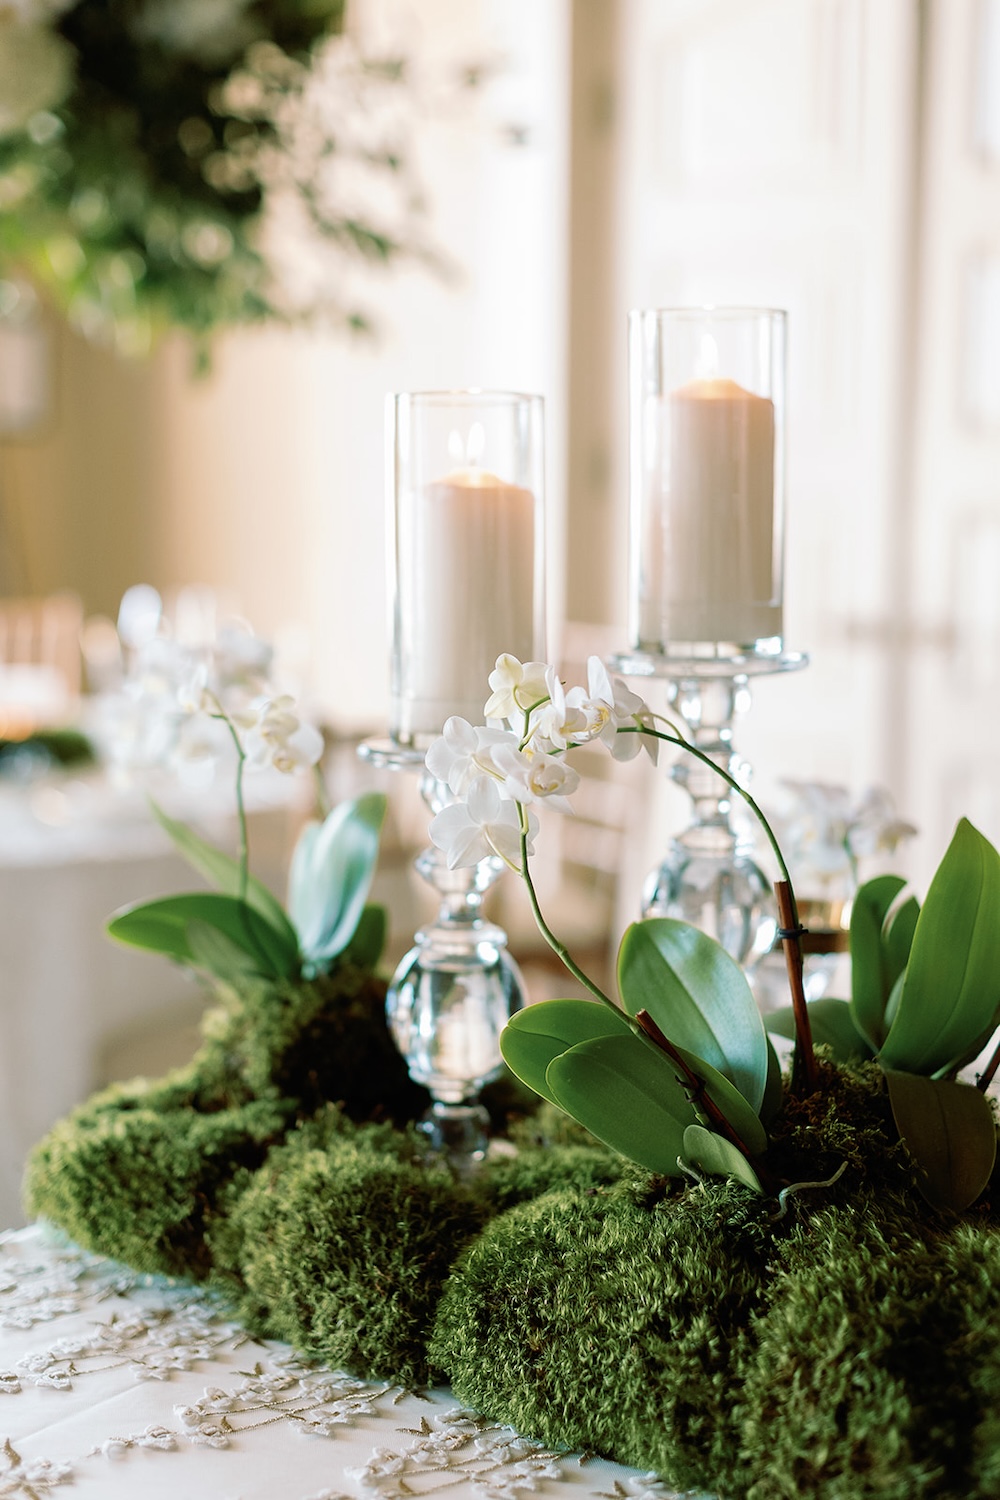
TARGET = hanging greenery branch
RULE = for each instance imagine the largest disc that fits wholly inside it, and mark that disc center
(200, 163)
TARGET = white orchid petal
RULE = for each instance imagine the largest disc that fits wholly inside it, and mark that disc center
(484, 800)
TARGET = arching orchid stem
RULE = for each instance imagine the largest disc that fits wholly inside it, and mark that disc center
(720, 771)
(986, 1076)
(558, 948)
(804, 1071)
(804, 1068)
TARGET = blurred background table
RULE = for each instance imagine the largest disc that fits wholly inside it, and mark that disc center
(76, 1009)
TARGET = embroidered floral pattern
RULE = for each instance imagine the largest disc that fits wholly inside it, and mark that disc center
(122, 1328)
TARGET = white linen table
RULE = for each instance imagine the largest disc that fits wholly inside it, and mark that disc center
(117, 1386)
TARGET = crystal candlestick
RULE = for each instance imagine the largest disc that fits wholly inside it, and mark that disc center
(466, 584)
(709, 876)
(451, 997)
(706, 559)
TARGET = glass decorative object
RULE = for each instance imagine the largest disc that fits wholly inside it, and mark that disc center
(465, 485)
(706, 448)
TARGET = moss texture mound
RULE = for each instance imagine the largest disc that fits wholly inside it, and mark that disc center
(841, 1341)
(136, 1172)
(340, 1245)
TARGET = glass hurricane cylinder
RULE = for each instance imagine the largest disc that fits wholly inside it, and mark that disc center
(707, 419)
(466, 574)
(466, 476)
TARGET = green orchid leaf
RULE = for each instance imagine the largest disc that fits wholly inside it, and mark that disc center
(774, 1089)
(832, 1024)
(698, 996)
(897, 938)
(331, 875)
(951, 988)
(162, 927)
(224, 872)
(213, 951)
(624, 1091)
(539, 1033)
(711, 1153)
(871, 980)
(949, 1130)
(727, 1098)
(366, 946)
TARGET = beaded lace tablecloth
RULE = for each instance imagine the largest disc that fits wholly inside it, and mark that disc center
(117, 1386)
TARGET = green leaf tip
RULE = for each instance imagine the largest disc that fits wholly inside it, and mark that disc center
(332, 869)
(949, 999)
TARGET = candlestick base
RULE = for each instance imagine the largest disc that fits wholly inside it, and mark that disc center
(455, 990)
(708, 876)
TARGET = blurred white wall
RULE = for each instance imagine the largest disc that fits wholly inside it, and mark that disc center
(271, 471)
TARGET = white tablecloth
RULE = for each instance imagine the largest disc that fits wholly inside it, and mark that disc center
(115, 1386)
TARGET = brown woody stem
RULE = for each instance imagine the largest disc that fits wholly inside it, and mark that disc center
(804, 1062)
(699, 1093)
(986, 1076)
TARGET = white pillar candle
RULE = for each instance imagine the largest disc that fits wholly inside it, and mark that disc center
(468, 546)
(708, 573)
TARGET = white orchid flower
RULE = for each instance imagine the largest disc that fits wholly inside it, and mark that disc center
(485, 823)
(463, 751)
(561, 721)
(517, 686)
(612, 706)
(281, 739)
(531, 774)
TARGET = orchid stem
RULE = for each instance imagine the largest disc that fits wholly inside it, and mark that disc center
(558, 948)
(241, 812)
(713, 765)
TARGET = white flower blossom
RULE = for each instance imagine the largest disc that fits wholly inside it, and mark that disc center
(461, 753)
(530, 773)
(281, 739)
(561, 721)
(616, 707)
(517, 686)
(485, 823)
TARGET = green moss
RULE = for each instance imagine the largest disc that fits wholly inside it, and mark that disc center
(342, 1248)
(841, 1343)
(318, 1041)
(137, 1184)
(596, 1322)
(878, 1363)
(135, 1173)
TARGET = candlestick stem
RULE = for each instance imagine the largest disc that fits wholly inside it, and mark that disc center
(454, 991)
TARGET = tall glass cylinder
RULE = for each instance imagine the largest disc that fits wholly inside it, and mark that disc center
(707, 429)
(466, 477)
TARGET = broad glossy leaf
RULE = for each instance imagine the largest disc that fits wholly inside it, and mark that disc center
(727, 1097)
(774, 1089)
(897, 938)
(711, 1153)
(871, 981)
(213, 951)
(951, 990)
(365, 948)
(224, 872)
(625, 1093)
(949, 1130)
(331, 874)
(162, 926)
(539, 1033)
(698, 996)
(832, 1025)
